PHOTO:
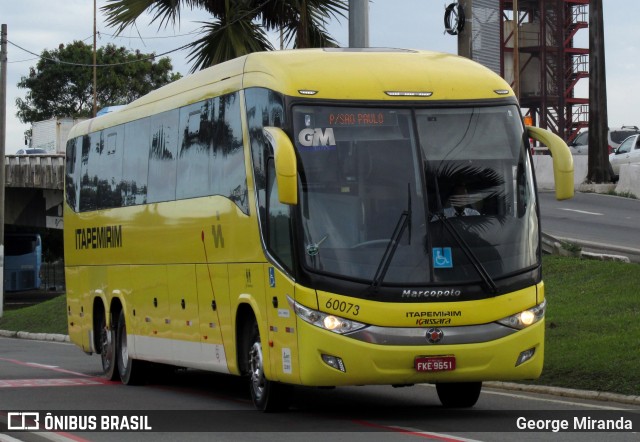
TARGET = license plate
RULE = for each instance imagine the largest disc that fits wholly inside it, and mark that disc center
(435, 363)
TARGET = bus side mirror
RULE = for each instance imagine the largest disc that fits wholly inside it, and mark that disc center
(562, 160)
(285, 164)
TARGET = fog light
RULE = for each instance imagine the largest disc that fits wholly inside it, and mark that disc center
(525, 356)
(334, 362)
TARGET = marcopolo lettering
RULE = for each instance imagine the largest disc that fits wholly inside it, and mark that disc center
(104, 237)
(435, 293)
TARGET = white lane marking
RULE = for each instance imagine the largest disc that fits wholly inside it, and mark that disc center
(442, 437)
(556, 401)
(35, 364)
(582, 211)
(47, 367)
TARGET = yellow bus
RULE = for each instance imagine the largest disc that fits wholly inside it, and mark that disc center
(323, 218)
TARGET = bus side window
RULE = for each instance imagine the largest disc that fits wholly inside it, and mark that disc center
(72, 183)
(163, 150)
(279, 240)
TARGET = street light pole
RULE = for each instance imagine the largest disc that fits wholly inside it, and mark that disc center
(95, 81)
(3, 132)
(516, 49)
(358, 23)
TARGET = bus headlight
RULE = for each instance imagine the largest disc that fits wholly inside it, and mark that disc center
(525, 318)
(325, 321)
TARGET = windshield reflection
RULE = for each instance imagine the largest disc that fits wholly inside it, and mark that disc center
(384, 200)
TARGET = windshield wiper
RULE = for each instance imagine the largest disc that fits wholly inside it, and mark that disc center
(468, 251)
(403, 222)
(313, 248)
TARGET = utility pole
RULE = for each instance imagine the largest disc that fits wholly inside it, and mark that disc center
(95, 80)
(3, 137)
(358, 23)
(598, 167)
(464, 36)
(516, 49)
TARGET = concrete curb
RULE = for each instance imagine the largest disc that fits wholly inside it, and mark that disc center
(604, 252)
(540, 389)
(51, 337)
(567, 392)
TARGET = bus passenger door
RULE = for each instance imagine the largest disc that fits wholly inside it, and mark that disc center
(213, 310)
(246, 287)
(282, 326)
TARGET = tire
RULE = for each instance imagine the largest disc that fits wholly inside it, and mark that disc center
(267, 396)
(459, 395)
(131, 370)
(108, 349)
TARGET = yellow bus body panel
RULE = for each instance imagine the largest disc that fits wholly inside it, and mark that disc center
(182, 270)
(367, 363)
(450, 313)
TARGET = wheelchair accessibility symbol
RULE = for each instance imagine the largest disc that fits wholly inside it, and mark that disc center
(442, 258)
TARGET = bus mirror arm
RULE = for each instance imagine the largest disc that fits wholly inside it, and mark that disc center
(562, 160)
(285, 164)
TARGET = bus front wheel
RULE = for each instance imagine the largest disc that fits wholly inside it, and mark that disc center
(267, 395)
(131, 370)
(459, 394)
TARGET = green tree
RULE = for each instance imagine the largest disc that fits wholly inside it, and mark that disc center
(237, 27)
(61, 84)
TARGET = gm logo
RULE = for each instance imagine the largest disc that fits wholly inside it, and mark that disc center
(316, 137)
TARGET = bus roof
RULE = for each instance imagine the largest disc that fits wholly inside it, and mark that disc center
(347, 74)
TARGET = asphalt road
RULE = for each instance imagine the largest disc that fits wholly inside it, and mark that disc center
(599, 222)
(46, 377)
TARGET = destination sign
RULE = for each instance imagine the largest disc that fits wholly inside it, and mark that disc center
(361, 118)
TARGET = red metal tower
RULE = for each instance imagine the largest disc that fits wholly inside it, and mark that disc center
(549, 64)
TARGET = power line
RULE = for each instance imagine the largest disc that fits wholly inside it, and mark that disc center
(151, 57)
(157, 37)
(22, 61)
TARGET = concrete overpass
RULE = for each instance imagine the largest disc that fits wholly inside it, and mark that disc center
(34, 190)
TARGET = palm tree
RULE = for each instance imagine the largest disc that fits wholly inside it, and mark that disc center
(238, 27)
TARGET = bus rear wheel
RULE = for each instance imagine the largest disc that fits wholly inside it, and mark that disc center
(131, 370)
(108, 349)
(267, 395)
(459, 394)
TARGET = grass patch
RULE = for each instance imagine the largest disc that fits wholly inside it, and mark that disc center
(593, 324)
(47, 317)
(625, 194)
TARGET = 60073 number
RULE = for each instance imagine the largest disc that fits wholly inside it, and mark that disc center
(342, 306)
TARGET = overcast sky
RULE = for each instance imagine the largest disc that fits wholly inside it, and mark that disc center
(36, 25)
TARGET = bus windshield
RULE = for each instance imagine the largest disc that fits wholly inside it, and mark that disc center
(395, 196)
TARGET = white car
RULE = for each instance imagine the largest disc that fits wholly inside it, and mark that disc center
(628, 152)
(31, 151)
(616, 135)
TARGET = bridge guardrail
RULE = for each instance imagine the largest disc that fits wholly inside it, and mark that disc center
(35, 171)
